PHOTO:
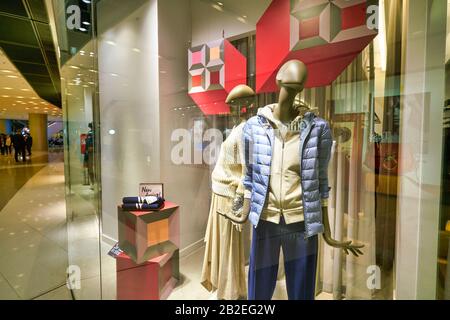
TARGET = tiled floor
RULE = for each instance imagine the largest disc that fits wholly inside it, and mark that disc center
(33, 242)
(14, 175)
(35, 251)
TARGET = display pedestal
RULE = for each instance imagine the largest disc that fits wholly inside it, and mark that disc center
(148, 267)
(152, 280)
(144, 235)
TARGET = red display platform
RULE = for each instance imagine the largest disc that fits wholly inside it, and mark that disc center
(144, 235)
(151, 280)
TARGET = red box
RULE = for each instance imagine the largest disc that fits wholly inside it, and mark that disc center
(151, 280)
(144, 235)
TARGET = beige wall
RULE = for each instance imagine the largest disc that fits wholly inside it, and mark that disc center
(38, 128)
(129, 102)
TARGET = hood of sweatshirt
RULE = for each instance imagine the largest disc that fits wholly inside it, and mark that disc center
(267, 112)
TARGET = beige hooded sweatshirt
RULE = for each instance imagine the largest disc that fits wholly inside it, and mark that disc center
(284, 197)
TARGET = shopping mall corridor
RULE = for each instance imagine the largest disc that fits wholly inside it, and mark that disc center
(33, 235)
(14, 175)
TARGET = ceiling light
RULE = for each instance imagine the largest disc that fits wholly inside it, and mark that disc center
(86, 23)
(5, 96)
(35, 108)
(217, 7)
(114, 75)
(220, 3)
(13, 77)
(136, 50)
(25, 89)
(6, 71)
(82, 29)
(7, 88)
(108, 42)
(82, 52)
(74, 67)
(87, 1)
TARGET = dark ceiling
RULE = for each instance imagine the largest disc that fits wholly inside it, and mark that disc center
(26, 39)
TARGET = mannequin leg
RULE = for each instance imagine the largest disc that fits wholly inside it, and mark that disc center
(300, 261)
(264, 257)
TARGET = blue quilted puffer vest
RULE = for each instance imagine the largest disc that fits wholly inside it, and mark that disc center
(315, 150)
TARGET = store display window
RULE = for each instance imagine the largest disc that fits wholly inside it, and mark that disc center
(301, 146)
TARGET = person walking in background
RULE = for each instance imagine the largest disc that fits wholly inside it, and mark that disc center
(89, 155)
(8, 144)
(19, 146)
(2, 144)
(28, 143)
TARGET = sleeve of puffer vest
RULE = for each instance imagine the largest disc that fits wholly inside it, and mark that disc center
(248, 155)
(325, 145)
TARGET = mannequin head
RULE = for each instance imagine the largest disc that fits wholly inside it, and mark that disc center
(291, 79)
(240, 96)
(292, 76)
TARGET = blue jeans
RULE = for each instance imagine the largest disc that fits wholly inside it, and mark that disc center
(300, 261)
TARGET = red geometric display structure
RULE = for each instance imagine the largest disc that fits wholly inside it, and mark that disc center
(145, 235)
(152, 280)
(326, 35)
(214, 69)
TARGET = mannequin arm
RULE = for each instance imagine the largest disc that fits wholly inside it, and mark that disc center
(345, 245)
(240, 210)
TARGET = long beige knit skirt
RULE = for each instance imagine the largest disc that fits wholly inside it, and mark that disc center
(224, 260)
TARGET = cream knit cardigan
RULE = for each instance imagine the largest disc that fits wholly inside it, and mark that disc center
(227, 176)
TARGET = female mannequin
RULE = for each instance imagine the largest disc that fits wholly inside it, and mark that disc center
(224, 259)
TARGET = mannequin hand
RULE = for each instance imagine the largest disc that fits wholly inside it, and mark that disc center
(238, 204)
(347, 246)
(236, 210)
(246, 207)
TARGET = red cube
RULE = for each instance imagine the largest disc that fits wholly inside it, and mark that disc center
(151, 280)
(144, 235)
